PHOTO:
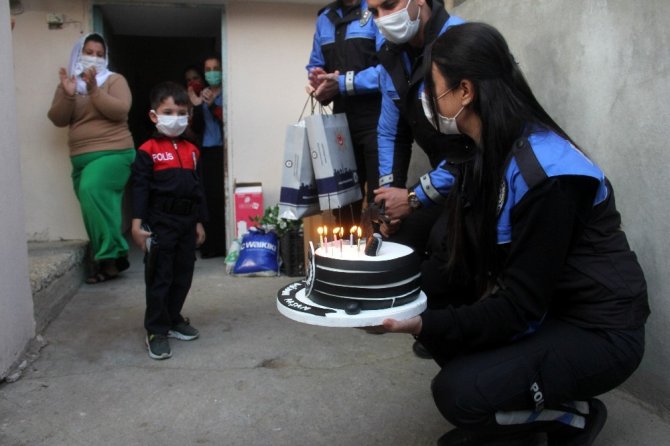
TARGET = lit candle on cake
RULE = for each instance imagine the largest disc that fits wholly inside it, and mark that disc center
(320, 231)
(359, 233)
(351, 236)
(325, 239)
(336, 231)
(341, 232)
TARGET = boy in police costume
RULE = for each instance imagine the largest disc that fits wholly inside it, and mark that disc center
(168, 209)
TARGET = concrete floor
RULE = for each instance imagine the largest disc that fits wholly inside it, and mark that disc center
(253, 378)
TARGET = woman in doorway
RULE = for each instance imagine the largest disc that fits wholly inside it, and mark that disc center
(94, 103)
(210, 102)
(194, 81)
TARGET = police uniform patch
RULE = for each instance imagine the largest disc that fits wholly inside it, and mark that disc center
(365, 18)
(502, 197)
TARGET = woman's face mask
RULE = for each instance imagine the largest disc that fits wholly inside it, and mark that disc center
(213, 77)
(398, 27)
(85, 62)
(445, 125)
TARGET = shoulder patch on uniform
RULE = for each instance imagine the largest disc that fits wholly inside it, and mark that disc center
(365, 18)
(502, 196)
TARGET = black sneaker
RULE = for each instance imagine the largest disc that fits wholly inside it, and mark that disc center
(420, 351)
(570, 436)
(158, 346)
(184, 331)
(462, 437)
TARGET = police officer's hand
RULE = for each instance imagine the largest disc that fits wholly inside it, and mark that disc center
(329, 86)
(390, 228)
(396, 206)
(199, 234)
(410, 326)
(313, 77)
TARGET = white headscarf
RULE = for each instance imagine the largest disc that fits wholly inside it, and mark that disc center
(76, 68)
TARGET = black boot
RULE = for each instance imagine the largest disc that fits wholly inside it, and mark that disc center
(462, 437)
(571, 436)
(420, 351)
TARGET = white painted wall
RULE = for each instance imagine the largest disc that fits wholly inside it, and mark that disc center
(601, 68)
(17, 324)
(52, 210)
(268, 48)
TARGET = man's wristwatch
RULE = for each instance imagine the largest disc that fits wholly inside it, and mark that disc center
(413, 200)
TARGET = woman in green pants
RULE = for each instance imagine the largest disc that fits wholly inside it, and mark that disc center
(94, 103)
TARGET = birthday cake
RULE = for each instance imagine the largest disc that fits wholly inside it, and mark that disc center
(345, 287)
(345, 277)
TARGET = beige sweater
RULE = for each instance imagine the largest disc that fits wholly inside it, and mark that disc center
(98, 121)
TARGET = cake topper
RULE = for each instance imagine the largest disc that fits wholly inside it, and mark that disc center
(373, 244)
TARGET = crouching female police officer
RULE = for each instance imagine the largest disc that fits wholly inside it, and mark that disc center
(552, 301)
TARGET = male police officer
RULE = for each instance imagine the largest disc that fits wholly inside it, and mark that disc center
(410, 27)
(343, 69)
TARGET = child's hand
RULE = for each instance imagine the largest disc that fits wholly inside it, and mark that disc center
(199, 234)
(139, 235)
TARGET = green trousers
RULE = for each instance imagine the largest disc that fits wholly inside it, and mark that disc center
(99, 179)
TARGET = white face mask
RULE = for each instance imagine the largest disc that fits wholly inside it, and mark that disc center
(399, 27)
(171, 125)
(86, 62)
(445, 125)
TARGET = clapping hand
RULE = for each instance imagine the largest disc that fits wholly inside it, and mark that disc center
(68, 83)
(195, 99)
(88, 77)
(329, 86)
(313, 77)
(208, 96)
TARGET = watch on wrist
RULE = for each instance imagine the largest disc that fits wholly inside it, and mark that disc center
(413, 200)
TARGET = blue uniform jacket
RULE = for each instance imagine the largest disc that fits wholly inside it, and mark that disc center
(400, 122)
(347, 40)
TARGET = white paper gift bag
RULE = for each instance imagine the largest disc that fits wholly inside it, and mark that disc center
(333, 160)
(298, 196)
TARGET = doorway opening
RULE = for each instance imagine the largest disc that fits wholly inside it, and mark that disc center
(151, 43)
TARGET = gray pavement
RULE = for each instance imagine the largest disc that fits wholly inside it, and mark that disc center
(253, 378)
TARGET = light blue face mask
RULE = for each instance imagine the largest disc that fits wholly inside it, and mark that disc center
(213, 78)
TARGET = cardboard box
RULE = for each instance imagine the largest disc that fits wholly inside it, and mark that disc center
(248, 204)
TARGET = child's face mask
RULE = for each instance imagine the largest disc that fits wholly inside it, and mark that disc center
(171, 125)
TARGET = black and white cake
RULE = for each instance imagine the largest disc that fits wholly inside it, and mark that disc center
(347, 288)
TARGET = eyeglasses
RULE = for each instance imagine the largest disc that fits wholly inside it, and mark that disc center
(440, 96)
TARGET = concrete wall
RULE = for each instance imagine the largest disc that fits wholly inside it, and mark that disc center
(601, 68)
(16, 305)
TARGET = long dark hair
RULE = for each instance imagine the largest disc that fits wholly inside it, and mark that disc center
(507, 108)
